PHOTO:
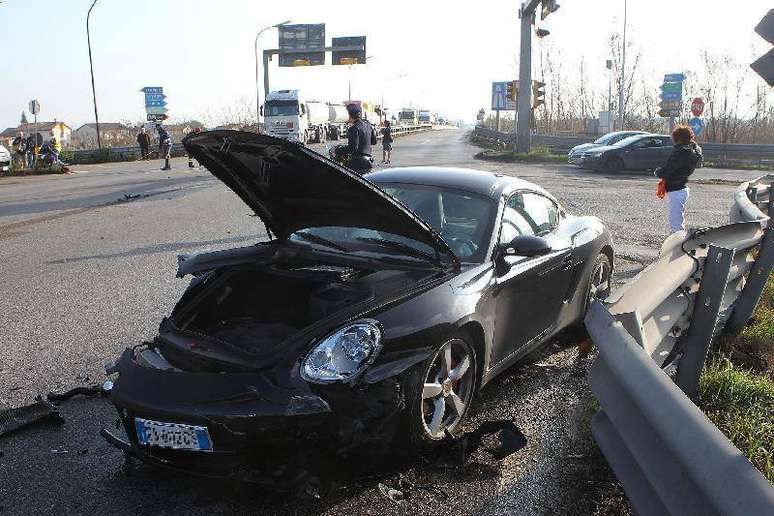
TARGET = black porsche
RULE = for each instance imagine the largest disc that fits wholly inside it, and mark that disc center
(371, 315)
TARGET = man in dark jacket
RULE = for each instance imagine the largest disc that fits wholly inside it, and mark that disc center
(684, 159)
(165, 146)
(143, 140)
(360, 137)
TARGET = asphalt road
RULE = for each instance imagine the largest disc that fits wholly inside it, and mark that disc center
(88, 265)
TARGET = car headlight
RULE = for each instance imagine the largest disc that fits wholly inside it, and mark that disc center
(343, 354)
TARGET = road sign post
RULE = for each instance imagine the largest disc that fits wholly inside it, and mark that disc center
(671, 97)
(155, 103)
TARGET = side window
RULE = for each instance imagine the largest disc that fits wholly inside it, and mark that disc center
(542, 211)
(514, 221)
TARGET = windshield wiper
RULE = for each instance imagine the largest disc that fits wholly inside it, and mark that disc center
(309, 237)
(398, 246)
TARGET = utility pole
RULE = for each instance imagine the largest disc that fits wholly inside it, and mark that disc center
(91, 67)
(527, 15)
(623, 77)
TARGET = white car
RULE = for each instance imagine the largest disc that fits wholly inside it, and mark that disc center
(5, 160)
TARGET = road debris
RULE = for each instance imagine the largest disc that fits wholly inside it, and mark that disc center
(93, 390)
(42, 411)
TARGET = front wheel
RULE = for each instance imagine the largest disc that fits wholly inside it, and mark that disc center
(440, 395)
(599, 284)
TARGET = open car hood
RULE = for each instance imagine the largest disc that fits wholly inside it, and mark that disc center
(291, 187)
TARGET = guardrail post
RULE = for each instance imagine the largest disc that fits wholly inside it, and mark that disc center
(704, 320)
(756, 281)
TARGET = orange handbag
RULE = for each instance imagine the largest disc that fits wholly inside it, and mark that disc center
(661, 189)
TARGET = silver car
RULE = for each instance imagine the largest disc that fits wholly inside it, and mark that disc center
(5, 160)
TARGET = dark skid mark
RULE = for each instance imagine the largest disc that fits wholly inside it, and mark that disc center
(152, 249)
(7, 230)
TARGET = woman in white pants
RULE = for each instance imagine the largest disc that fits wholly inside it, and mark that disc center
(684, 159)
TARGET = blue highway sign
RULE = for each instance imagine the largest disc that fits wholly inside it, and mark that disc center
(152, 89)
(674, 77)
(155, 103)
(697, 125)
(671, 95)
(154, 96)
(500, 98)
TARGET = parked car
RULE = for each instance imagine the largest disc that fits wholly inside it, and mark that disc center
(372, 315)
(573, 157)
(5, 160)
(643, 151)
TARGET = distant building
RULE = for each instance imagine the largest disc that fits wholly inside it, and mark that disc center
(111, 134)
(46, 130)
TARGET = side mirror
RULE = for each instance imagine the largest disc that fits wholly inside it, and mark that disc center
(260, 110)
(525, 245)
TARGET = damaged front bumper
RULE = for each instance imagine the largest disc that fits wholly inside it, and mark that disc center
(264, 427)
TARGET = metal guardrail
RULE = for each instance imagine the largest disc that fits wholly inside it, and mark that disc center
(712, 151)
(116, 154)
(668, 456)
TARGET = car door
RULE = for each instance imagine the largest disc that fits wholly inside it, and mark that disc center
(529, 290)
(638, 154)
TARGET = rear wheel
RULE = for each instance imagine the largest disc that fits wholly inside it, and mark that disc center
(614, 165)
(440, 395)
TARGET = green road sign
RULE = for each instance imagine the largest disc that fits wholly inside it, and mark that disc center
(672, 87)
(670, 104)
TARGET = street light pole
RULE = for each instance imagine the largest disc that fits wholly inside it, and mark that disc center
(91, 68)
(623, 77)
(257, 72)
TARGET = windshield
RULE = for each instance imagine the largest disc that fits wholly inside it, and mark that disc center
(628, 141)
(604, 140)
(406, 114)
(281, 108)
(463, 220)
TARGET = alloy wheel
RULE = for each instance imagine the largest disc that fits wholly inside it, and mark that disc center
(447, 388)
(599, 283)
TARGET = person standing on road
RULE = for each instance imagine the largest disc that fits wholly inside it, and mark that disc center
(684, 159)
(360, 137)
(143, 140)
(32, 151)
(20, 149)
(165, 146)
(386, 142)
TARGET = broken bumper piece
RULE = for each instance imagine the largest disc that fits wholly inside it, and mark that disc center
(262, 428)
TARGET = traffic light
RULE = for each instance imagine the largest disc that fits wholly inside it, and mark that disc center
(512, 90)
(548, 7)
(538, 93)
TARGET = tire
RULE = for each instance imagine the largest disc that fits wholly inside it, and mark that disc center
(598, 285)
(614, 165)
(428, 392)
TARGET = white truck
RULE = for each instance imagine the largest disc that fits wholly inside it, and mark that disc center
(425, 117)
(287, 115)
(407, 116)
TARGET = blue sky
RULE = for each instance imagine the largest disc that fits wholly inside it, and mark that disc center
(201, 51)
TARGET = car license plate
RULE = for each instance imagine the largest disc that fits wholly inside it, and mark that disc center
(172, 435)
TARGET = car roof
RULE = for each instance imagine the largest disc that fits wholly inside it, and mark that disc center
(480, 182)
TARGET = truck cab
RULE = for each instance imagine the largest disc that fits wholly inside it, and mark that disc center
(408, 116)
(425, 118)
(288, 116)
